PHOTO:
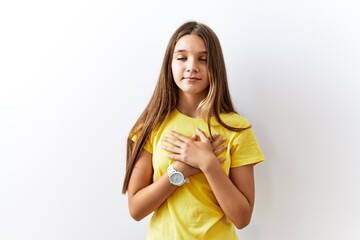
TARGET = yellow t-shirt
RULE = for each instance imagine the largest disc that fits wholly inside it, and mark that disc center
(192, 211)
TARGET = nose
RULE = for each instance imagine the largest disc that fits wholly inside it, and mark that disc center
(192, 66)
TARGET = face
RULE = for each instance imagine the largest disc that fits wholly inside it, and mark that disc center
(189, 66)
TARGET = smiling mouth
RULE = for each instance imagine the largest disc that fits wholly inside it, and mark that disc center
(192, 78)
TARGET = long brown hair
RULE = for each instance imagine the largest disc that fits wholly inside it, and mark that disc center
(166, 93)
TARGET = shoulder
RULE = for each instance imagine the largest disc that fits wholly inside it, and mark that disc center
(235, 120)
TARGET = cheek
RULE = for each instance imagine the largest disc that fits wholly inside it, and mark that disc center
(173, 68)
(176, 70)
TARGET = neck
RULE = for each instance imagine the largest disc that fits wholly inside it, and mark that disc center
(188, 105)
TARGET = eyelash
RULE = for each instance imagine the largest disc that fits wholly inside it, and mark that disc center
(182, 59)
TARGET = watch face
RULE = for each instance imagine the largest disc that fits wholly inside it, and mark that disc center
(177, 178)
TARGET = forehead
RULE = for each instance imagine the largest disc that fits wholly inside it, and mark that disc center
(190, 43)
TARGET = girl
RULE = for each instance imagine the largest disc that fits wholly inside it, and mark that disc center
(190, 156)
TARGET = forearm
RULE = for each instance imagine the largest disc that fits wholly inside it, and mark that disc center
(231, 200)
(149, 198)
(234, 193)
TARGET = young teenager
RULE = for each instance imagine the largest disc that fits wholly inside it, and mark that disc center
(190, 155)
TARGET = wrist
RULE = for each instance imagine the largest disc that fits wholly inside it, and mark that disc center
(186, 169)
(209, 164)
(181, 167)
(176, 177)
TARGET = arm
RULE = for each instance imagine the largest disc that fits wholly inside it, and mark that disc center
(235, 195)
(144, 195)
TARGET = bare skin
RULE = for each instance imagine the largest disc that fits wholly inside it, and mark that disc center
(235, 193)
(144, 196)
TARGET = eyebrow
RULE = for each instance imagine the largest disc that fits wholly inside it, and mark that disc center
(181, 51)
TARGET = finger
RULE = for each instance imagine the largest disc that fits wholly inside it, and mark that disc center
(217, 143)
(171, 149)
(220, 150)
(179, 136)
(221, 160)
(214, 137)
(175, 157)
(173, 141)
(202, 135)
(193, 137)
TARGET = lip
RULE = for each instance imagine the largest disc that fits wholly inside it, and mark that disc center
(192, 78)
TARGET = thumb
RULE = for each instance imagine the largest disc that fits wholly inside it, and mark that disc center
(202, 135)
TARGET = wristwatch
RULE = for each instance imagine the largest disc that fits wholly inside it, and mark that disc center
(175, 177)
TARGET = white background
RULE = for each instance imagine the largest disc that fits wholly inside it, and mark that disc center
(75, 75)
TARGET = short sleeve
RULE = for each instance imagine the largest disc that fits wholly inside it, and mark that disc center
(148, 144)
(245, 149)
